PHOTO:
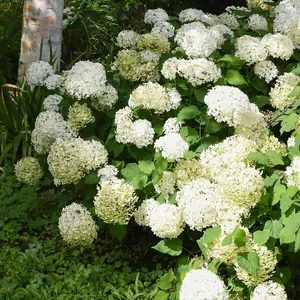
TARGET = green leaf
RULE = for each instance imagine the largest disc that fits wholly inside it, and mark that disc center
(234, 77)
(274, 227)
(274, 158)
(235, 62)
(249, 261)
(261, 237)
(270, 180)
(289, 123)
(172, 247)
(240, 237)
(200, 94)
(297, 241)
(165, 282)
(211, 234)
(292, 191)
(260, 101)
(162, 295)
(258, 157)
(279, 189)
(146, 166)
(190, 135)
(213, 126)
(295, 92)
(130, 171)
(188, 112)
(117, 231)
(139, 181)
(287, 234)
(285, 202)
(91, 178)
(227, 240)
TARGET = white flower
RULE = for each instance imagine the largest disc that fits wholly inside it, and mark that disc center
(143, 213)
(257, 22)
(149, 56)
(106, 99)
(169, 68)
(108, 173)
(37, 73)
(79, 116)
(171, 126)
(202, 284)
(85, 79)
(172, 146)
(266, 69)
(269, 290)
(76, 225)
(52, 102)
(28, 170)
(127, 39)
(191, 15)
(292, 173)
(53, 82)
(142, 133)
(164, 28)
(291, 141)
(221, 33)
(166, 185)
(229, 20)
(166, 221)
(153, 16)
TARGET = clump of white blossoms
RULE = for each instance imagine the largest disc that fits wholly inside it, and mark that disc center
(77, 226)
(292, 173)
(266, 69)
(278, 45)
(70, 160)
(85, 79)
(143, 213)
(52, 102)
(170, 68)
(127, 39)
(166, 185)
(291, 141)
(199, 202)
(250, 49)
(115, 202)
(269, 290)
(154, 41)
(37, 72)
(108, 174)
(28, 170)
(257, 22)
(106, 99)
(53, 82)
(166, 221)
(267, 264)
(153, 96)
(153, 16)
(171, 126)
(202, 284)
(49, 126)
(229, 20)
(139, 132)
(191, 15)
(221, 33)
(164, 28)
(79, 116)
(279, 95)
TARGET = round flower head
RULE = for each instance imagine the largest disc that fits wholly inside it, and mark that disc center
(171, 126)
(108, 174)
(85, 79)
(266, 69)
(278, 45)
(257, 22)
(155, 97)
(221, 32)
(153, 16)
(279, 95)
(149, 56)
(143, 213)
(70, 160)
(142, 134)
(292, 173)
(269, 290)
(79, 116)
(191, 15)
(52, 102)
(106, 99)
(115, 202)
(202, 284)
(127, 39)
(154, 41)
(166, 185)
(229, 20)
(49, 126)
(172, 146)
(37, 73)
(250, 49)
(170, 67)
(77, 226)
(166, 221)
(28, 170)
(53, 82)
(164, 28)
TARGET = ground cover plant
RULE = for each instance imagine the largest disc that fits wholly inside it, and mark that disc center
(188, 136)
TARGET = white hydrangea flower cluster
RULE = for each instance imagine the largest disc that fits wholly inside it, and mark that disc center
(53, 82)
(143, 213)
(85, 79)
(52, 102)
(164, 28)
(127, 39)
(149, 56)
(28, 170)
(139, 132)
(257, 22)
(77, 226)
(291, 141)
(115, 202)
(269, 290)
(108, 174)
(171, 126)
(250, 49)
(79, 116)
(266, 69)
(191, 15)
(196, 71)
(292, 173)
(155, 97)
(49, 126)
(70, 160)
(38, 72)
(230, 20)
(221, 33)
(202, 284)
(106, 99)
(279, 95)
(153, 16)
(278, 45)
(166, 185)
(154, 41)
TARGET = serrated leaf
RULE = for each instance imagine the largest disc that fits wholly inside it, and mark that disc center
(139, 181)
(234, 61)
(130, 171)
(165, 282)
(274, 158)
(234, 77)
(287, 234)
(295, 92)
(172, 247)
(162, 295)
(292, 191)
(258, 157)
(285, 202)
(188, 112)
(261, 237)
(289, 123)
(249, 261)
(117, 231)
(274, 227)
(146, 166)
(211, 234)
(279, 189)
(270, 180)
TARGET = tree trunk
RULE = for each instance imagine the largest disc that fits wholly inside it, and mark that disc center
(42, 33)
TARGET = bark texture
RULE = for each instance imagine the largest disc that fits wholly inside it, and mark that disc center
(42, 30)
